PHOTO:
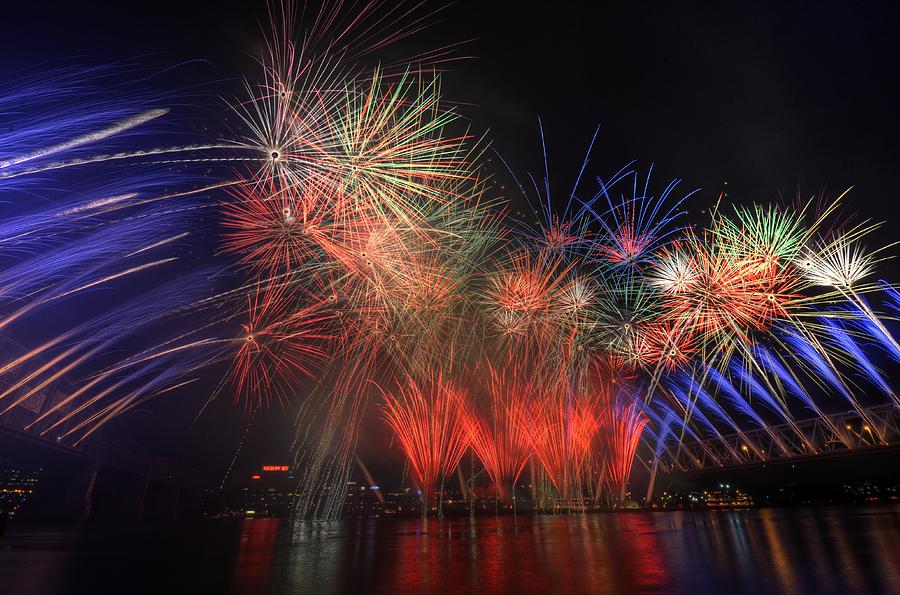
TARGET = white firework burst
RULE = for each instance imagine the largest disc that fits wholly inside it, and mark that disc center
(673, 273)
(578, 296)
(840, 264)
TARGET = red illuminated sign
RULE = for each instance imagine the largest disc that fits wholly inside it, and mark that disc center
(269, 468)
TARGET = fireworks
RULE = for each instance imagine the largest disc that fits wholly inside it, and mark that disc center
(374, 263)
(498, 439)
(623, 437)
(586, 327)
(87, 325)
(427, 423)
(278, 343)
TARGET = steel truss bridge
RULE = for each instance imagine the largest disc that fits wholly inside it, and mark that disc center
(867, 429)
(135, 480)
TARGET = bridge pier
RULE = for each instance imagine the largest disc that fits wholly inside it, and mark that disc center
(161, 500)
(64, 493)
(652, 482)
(119, 495)
(80, 492)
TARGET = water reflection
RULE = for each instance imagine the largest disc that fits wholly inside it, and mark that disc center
(786, 551)
(256, 553)
(822, 550)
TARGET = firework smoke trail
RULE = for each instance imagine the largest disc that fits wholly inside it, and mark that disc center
(85, 139)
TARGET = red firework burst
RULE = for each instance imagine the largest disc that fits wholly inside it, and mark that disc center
(274, 227)
(497, 438)
(528, 297)
(278, 347)
(425, 418)
(721, 296)
(620, 437)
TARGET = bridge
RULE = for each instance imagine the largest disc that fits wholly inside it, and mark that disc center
(97, 478)
(870, 428)
(111, 479)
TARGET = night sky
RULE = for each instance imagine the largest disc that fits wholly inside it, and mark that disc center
(773, 98)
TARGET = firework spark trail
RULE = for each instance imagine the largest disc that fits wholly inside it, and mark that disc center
(693, 412)
(497, 439)
(87, 345)
(626, 433)
(560, 424)
(358, 190)
(673, 426)
(756, 389)
(739, 402)
(819, 361)
(277, 346)
(85, 139)
(426, 421)
(847, 344)
(354, 199)
(93, 233)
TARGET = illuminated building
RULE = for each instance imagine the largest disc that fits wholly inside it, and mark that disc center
(263, 491)
(16, 486)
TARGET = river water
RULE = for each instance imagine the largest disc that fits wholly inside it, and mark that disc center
(789, 550)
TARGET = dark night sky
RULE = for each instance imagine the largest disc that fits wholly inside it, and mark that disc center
(772, 97)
